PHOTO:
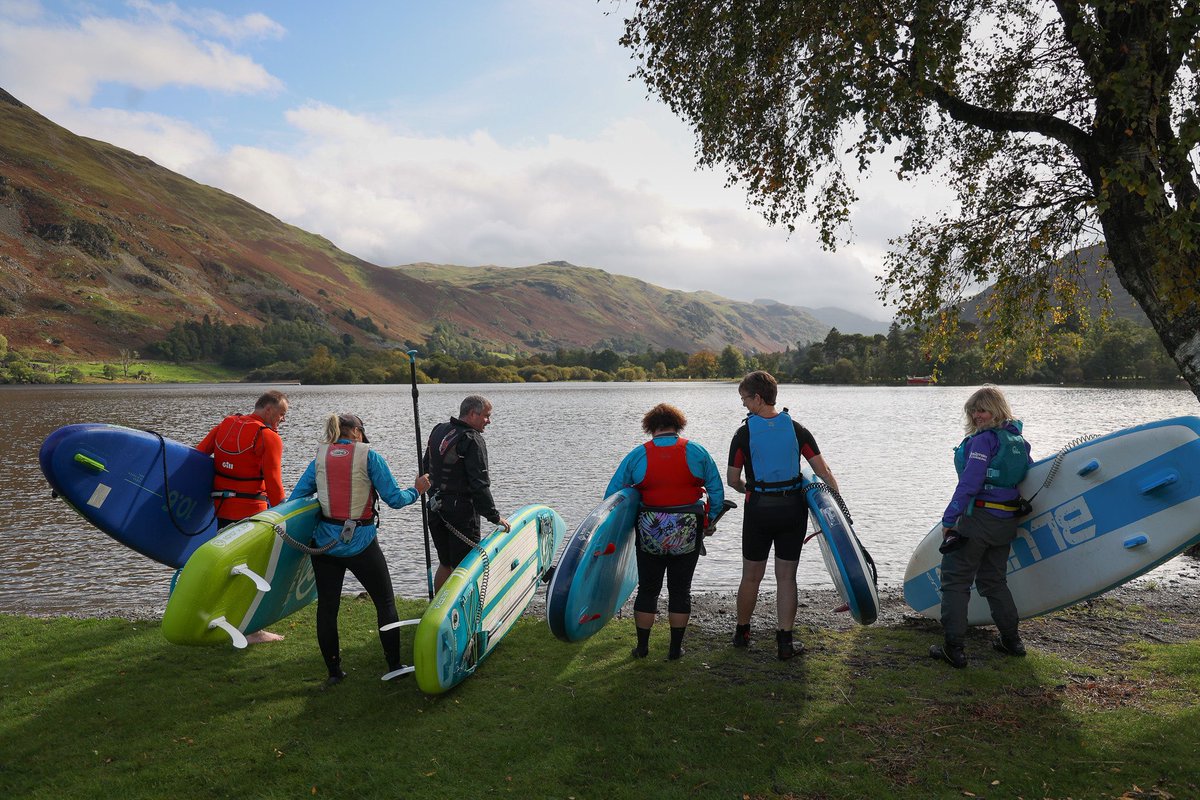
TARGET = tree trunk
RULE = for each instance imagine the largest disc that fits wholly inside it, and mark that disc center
(1134, 252)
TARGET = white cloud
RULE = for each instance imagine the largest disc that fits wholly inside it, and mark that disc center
(63, 66)
(173, 143)
(212, 22)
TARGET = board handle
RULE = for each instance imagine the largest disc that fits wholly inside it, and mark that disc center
(1136, 541)
(1158, 482)
(1088, 468)
(391, 626)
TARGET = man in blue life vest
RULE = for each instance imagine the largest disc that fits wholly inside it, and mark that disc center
(456, 461)
(768, 447)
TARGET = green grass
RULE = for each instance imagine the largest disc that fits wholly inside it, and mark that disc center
(103, 708)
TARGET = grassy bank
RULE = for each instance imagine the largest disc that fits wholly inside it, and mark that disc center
(103, 708)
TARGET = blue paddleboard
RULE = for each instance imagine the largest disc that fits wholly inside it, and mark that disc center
(148, 492)
(597, 571)
(847, 562)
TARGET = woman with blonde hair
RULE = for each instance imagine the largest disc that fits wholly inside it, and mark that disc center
(980, 523)
(348, 477)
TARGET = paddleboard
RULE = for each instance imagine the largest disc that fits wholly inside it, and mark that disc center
(148, 492)
(1106, 511)
(484, 597)
(852, 571)
(597, 570)
(245, 578)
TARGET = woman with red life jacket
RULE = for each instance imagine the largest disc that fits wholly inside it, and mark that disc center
(247, 459)
(348, 477)
(672, 474)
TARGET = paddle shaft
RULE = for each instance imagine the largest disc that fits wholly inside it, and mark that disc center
(412, 365)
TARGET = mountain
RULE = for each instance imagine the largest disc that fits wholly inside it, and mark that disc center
(102, 249)
(559, 303)
(845, 321)
(1093, 273)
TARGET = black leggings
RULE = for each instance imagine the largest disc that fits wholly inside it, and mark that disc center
(678, 571)
(370, 567)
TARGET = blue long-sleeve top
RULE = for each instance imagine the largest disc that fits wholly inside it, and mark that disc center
(632, 471)
(385, 486)
(981, 448)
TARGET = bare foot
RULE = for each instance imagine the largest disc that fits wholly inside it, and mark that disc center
(259, 637)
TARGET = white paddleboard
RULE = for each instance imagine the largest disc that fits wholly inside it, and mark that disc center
(1114, 508)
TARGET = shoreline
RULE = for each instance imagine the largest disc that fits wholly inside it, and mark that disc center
(1144, 610)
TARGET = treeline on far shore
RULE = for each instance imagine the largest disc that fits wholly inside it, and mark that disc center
(1121, 353)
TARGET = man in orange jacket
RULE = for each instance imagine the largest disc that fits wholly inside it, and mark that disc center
(248, 466)
(248, 459)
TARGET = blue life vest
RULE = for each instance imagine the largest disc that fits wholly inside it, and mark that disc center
(774, 453)
(1007, 467)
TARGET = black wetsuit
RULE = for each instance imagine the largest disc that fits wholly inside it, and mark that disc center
(456, 460)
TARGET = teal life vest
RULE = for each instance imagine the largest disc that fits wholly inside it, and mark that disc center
(774, 453)
(1007, 467)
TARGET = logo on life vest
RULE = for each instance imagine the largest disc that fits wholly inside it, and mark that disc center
(226, 465)
(338, 452)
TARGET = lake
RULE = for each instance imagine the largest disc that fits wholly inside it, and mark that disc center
(889, 447)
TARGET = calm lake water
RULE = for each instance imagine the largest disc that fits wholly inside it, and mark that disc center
(558, 444)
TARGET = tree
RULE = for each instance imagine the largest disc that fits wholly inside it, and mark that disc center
(126, 357)
(702, 364)
(733, 363)
(1056, 124)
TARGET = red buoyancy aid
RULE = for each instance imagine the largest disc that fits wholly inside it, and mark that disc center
(238, 487)
(343, 483)
(668, 480)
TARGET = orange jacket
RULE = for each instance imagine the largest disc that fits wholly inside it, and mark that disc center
(248, 464)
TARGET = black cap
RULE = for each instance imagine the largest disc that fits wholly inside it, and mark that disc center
(353, 421)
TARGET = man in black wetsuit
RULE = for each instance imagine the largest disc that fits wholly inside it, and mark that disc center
(456, 461)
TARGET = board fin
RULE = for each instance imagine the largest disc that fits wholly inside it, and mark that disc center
(391, 626)
(259, 581)
(588, 618)
(237, 637)
(396, 673)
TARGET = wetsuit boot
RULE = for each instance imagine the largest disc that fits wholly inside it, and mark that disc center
(336, 674)
(741, 636)
(951, 651)
(676, 651)
(643, 643)
(1010, 644)
(786, 647)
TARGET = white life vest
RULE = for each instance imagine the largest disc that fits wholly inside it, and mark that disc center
(343, 483)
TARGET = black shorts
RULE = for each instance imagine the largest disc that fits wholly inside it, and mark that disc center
(460, 513)
(779, 520)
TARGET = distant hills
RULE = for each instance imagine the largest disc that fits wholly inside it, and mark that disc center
(845, 321)
(102, 249)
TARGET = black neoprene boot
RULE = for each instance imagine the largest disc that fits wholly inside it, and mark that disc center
(786, 646)
(1010, 644)
(951, 652)
(741, 636)
(643, 643)
(676, 651)
(336, 674)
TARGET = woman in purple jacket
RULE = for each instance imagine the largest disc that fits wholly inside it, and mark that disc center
(980, 523)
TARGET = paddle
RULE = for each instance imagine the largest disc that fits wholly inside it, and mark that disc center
(412, 364)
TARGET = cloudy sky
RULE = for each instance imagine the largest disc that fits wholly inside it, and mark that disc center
(501, 132)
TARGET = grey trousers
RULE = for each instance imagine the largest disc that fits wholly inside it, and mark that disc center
(983, 560)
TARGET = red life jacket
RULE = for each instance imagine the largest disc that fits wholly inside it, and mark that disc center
(238, 487)
(343, 484)
(668, 480)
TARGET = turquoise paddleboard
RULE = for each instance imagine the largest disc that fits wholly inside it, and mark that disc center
(483, 598)
(597, 571)
(849, 565)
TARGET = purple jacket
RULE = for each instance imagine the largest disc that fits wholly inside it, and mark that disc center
(981, 448)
